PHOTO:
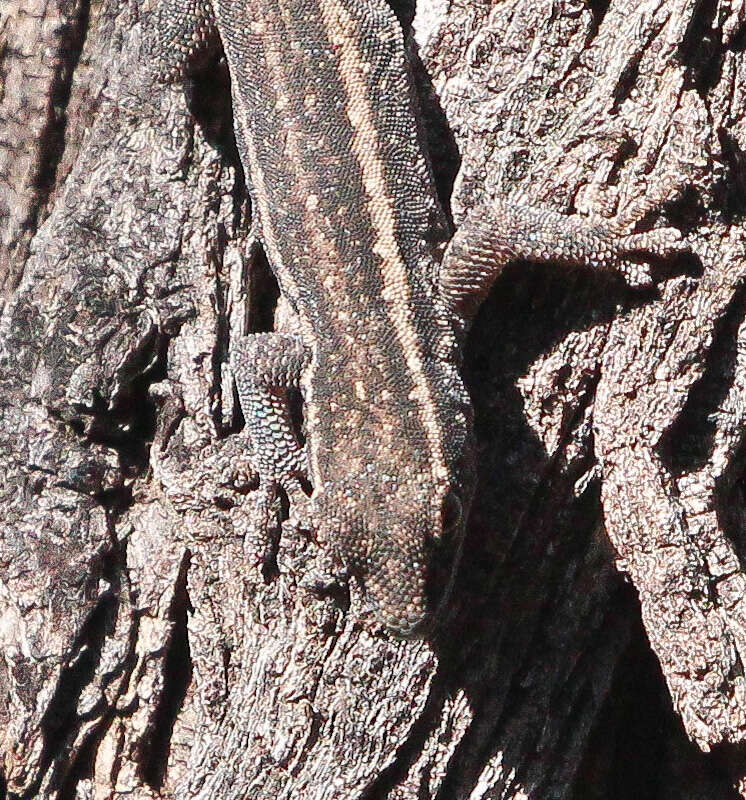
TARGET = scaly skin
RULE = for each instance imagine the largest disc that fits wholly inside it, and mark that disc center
(327, 133)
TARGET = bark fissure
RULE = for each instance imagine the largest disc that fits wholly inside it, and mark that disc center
(177, 675)
(61, 722)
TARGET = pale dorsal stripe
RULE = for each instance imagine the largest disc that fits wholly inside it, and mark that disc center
(342, 31)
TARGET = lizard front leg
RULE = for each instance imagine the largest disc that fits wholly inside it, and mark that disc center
(265, 366)
(183, 36)
(496, 234)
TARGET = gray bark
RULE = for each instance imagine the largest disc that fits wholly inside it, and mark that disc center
(596, 639)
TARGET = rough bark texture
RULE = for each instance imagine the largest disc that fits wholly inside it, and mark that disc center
(596, 643)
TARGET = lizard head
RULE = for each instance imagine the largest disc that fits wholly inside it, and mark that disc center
(403, 543)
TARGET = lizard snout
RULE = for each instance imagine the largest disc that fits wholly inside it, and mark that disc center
(408, 585)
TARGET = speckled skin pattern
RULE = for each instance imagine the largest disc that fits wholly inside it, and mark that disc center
(327, 132)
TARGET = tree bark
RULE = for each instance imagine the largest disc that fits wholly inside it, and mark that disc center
(595, 643)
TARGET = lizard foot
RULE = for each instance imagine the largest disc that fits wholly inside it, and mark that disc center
(660, 243)
(262, 532)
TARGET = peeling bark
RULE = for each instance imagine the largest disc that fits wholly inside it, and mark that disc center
(594, 646)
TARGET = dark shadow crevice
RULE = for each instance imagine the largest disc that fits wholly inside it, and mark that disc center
(729, 192)
(61, 723)
(687, 444)
(127, 427)
(598, 9)
(405, 11)
(177, 677)
(83, 763)
(208, 95)
(637, 749)
(701, 49)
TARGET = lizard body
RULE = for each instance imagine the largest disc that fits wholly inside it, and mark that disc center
(327, 132)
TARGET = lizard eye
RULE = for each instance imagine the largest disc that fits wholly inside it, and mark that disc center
(450, 512)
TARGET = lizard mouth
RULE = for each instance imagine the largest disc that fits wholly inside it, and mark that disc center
(421, 629)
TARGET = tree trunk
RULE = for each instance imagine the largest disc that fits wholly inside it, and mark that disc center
(596, 638)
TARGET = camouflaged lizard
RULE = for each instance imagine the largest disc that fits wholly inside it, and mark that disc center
(327, 131)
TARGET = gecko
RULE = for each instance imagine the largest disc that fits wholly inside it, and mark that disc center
(328, 133)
